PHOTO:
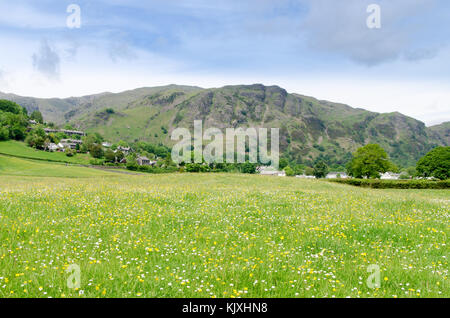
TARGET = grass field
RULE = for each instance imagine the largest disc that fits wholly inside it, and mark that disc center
(223, 235)
(20, 149)
(11, 166)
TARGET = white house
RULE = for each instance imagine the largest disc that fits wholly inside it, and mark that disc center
(270, 171)
(337, 175)
(390, 176)
(106, 144)
(52, 147)
(304, 176)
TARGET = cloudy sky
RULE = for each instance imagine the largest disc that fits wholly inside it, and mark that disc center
(321, 48)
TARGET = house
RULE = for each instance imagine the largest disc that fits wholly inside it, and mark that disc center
(65, 131)
(73, 132)
(50, 130)
(106, 144)
(52, 147)
(70, 143)
(125, 150)
(304, 176)
(270, 171)
(144, 161)
(337, 175)
(390, 176)
(33, 122)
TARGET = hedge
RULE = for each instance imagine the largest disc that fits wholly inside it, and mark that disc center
(150, 169)
(395, 184)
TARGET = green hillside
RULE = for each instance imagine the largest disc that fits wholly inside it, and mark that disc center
(20, 149)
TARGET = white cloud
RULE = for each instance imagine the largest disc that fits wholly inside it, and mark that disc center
(47, 60)
(335, 27)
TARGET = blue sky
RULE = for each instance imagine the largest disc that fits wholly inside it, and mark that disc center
(321, 48)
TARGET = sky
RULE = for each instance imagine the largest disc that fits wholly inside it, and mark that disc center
(320, 48)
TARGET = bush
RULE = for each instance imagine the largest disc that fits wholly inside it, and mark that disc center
(395, 184)
(289, 171)
(69, 152)
(96, 162)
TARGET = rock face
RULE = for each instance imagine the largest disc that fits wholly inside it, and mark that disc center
(309, 128)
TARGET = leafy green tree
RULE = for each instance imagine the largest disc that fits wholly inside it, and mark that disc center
(320, 170)
(435, 164)
(110, 156)
(289, 171)
(309, 171)
(283, 163)
(369, 161)
(4, 133)
(298, 170)
(96, 151)
(37, 116)
(119, 156)
(411, 171)
(11, 107)
(37, 138)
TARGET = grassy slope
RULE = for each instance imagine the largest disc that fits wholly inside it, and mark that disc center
(11, 166)
(229, 236)
(20, 149)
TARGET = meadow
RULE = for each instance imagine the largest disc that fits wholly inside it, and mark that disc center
(216, 235)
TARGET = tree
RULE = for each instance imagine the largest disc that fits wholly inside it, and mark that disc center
(309, 171)
(110, 156)
(435, 164)
(119, 156)
(289, 171)
(298, 170)
(320, 170)
(37, 138)
(283, 163)
(11, 107)
(4, 133)
(37, 116)
(96, 151)
(411, 171)
(369, 161)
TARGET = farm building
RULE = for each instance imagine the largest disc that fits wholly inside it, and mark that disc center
(337, 175)
(144, 161)
(390, 176)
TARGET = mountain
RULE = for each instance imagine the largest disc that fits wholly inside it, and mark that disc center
(309, 128)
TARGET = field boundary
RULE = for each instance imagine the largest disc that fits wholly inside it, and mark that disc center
(394, 184)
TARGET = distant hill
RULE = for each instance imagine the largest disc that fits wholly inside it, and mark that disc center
(309, 128)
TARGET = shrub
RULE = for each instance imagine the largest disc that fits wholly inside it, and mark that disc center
(395, 184)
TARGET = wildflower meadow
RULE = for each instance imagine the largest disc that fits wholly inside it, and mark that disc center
(219, 235)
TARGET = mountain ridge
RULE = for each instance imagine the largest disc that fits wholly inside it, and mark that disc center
(310, 129)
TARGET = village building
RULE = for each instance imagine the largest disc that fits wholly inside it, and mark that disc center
(390, 176)
(304, 176)
(270, 171)
(106, 144)
(125, 150)
(52, 147)
(337, 175)
(144, 161)
(65, 131)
